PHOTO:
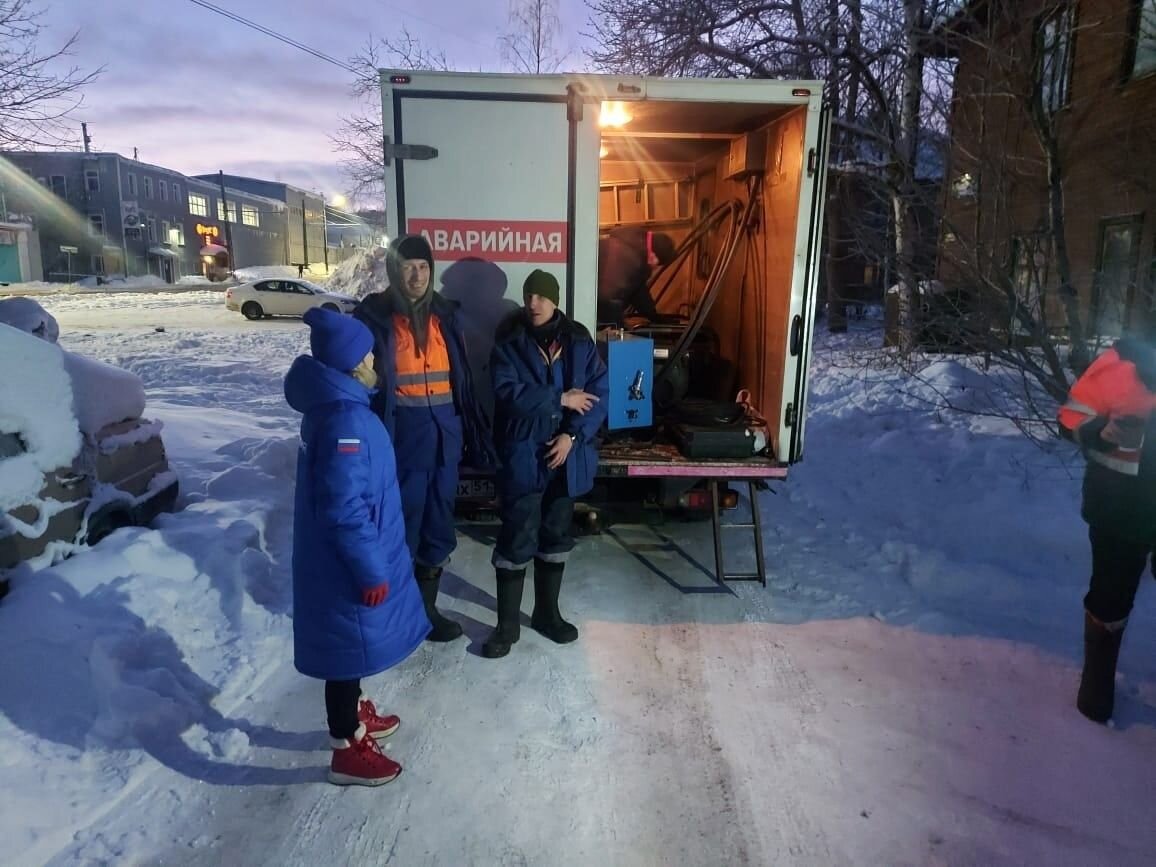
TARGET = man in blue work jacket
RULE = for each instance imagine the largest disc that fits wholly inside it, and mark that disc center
(550, 390)
(427, 404)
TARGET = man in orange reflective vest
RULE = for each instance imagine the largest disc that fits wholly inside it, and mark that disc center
(428, 404)
(1111, 413)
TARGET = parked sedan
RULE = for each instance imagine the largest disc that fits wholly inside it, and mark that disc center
(284, 297)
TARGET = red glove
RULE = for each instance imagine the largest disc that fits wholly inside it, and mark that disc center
(374, 596)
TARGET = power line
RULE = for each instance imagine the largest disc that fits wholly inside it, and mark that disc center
(320, 55)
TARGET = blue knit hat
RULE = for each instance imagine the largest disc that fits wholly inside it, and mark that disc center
(337, 340)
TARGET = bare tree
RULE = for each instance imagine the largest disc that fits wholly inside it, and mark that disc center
(38, 90)
(530, 46)
(870, 55)
(359, 138)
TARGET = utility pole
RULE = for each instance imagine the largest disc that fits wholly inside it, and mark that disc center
(304, 232)
(228, 225)
(87, 138)
(325, 232)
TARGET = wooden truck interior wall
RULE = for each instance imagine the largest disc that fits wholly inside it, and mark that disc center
(668, 185)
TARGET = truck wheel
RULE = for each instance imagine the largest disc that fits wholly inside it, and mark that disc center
(104, 525)
(252, 310)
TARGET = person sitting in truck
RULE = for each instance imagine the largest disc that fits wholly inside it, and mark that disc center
(428, 404)
(550, 394)
(627, 258)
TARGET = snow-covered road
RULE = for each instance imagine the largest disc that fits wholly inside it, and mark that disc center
(901, 693)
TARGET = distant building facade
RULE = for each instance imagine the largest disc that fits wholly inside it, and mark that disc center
(103, 215)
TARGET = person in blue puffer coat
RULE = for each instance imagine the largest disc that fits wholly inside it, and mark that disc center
(356, 607)
(550, 390)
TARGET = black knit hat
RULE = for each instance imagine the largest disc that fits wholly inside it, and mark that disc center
(404, 248)
(543, 284)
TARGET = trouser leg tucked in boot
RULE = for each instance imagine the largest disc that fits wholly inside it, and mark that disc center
(428, 580)
(1097, 695)
(546, 618)
(508, 630)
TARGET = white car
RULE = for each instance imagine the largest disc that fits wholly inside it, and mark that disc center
(284, 297)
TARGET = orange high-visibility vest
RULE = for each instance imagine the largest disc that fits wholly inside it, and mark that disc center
(423, 378)
(1110, 387)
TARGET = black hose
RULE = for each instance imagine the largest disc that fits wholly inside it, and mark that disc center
(713, 286)
(704, 226)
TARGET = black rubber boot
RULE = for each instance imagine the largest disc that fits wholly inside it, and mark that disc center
(509, 629)
(1097, 695)
(546, 620)
(428, 580)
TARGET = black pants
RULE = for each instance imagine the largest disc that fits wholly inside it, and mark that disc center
(1117, 567)
(536, 525)
(341, 698)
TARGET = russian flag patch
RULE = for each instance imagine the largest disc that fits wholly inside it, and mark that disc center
(348, 446)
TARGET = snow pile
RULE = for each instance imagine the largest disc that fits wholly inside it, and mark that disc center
(103, 394)
(122, 284)
(265, 272)
(36, 406)
(26, 315)
(195, 280)
(910, 668)
(360, 275)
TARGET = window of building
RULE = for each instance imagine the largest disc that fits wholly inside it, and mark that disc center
(152, 229)
(98, 265)
(130, 180)
(164, 190)
(60, 186)
(148, 187)
(1114, 286)
(92, 180)
(198, 205)
(1054, 47)
(250, 216)
(165, 227)
(232, 217)
(1030, 272)
(1143, 41)
(176, 192)
(96, 224)
(179, 235)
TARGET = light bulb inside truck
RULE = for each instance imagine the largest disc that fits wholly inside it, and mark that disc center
(614, 114)
(604, 152)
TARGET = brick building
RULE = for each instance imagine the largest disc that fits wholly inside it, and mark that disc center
(1085, 69)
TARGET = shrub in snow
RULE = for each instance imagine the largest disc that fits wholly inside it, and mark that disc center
(25, 314)
(36, 407)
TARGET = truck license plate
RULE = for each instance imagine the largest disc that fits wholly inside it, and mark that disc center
(475, 489)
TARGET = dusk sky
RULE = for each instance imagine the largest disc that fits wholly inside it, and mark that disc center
(196, 92)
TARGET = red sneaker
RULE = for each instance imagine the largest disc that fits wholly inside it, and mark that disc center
(378, 726)
(359, 761)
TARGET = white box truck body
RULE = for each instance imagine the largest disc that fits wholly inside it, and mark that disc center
(508, 173)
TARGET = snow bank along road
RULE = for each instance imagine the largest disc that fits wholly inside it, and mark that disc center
(901, 693)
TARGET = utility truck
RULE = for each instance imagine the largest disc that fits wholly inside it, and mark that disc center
(507, 173)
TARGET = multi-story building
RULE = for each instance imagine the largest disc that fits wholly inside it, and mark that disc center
(306, 228)
(1054, 115)
(105, 216)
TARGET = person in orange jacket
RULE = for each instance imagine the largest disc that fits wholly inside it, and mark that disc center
(1111, 414)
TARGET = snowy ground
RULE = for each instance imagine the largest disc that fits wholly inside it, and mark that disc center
(901, 693)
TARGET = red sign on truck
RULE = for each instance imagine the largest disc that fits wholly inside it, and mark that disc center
(495, 240)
